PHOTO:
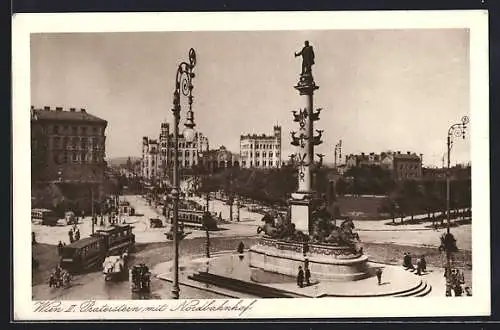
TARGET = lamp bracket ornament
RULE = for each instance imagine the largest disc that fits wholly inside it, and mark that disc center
(315, 115)
(317, 138)
(298, 141)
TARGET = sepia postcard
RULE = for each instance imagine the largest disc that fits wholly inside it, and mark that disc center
(250, 165)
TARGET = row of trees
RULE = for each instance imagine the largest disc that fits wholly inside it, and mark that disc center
(407, 197)
(411, 197)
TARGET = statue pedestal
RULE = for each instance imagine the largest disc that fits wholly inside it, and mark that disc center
(325, 261)
(301, 206)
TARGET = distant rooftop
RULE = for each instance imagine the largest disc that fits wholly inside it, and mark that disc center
(58, 113)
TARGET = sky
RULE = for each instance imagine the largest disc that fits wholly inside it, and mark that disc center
(379, 89)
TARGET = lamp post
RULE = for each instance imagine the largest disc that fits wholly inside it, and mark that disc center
(92, 208)
(338, 151)
(455, 130)
(183, 84)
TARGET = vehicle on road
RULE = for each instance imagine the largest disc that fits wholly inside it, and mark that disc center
(70, 218)
(44, 216)
(140, 278)
(90, 252)
(194, 219)
(114, 268)
(155, 223)
(181, 234)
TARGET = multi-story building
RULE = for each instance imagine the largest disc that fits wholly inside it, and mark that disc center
(261, 151)
(68, 149)
(407, 166)
(151, 163)
(158, 155)
(189, 152)
(402, 166)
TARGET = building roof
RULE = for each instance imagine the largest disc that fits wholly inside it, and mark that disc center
(68, 115)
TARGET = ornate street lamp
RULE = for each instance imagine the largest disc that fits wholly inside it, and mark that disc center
(184, 85)
(455, 130)
(448, 241)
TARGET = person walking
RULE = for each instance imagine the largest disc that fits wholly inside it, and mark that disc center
(59, 247)
(33, 238)
(308, 276)
(379, 275)
(300, 278)
(77, 234)
(70, 234)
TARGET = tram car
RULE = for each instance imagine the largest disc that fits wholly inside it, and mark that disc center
(194, 219)
(90, 252)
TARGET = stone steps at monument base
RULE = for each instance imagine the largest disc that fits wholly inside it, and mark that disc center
(242, 286)
(421, 290)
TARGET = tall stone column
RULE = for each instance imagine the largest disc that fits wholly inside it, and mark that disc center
(302, 202)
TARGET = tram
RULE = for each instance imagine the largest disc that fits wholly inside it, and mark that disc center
(194, 219)
(44, 216)
(90, 252)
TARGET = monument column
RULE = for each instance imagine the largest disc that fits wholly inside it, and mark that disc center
(302, 202)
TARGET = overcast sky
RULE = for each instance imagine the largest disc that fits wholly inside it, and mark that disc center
(379, 89)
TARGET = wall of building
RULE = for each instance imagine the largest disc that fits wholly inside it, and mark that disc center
(261, 151)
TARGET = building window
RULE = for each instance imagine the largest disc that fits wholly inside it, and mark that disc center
(264, 163)
(57, 142)
(84, 143)
(75, 157)
(55, 129)
(74, 130)
(257, 155)
(257, 163)
(264, 154)
(251, 154)
(277, 163)
(251, 163)
(65, 158)
(270, 154)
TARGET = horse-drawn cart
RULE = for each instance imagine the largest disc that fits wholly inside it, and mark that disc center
(140, 278)
(114, 268)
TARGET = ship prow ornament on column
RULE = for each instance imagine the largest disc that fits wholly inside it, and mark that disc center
(310, 238)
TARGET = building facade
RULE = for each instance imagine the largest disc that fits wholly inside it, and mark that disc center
(261, 151)
(151, 160)
(220, 158)
(68, 149)
(158, 154)
(402, 165)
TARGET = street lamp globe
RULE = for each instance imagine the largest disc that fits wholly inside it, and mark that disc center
(189, 134)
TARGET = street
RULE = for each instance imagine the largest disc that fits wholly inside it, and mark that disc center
(380, 241)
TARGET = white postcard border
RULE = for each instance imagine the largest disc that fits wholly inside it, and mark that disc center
(475, 20)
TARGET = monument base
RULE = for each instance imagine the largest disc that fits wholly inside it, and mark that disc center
(326, 262)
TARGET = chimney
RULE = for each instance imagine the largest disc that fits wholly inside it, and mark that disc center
(46, 108)
(72, 109)
(399, 152)
(83, 110)
(408, 153)
(32, 107)
(59, 109)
